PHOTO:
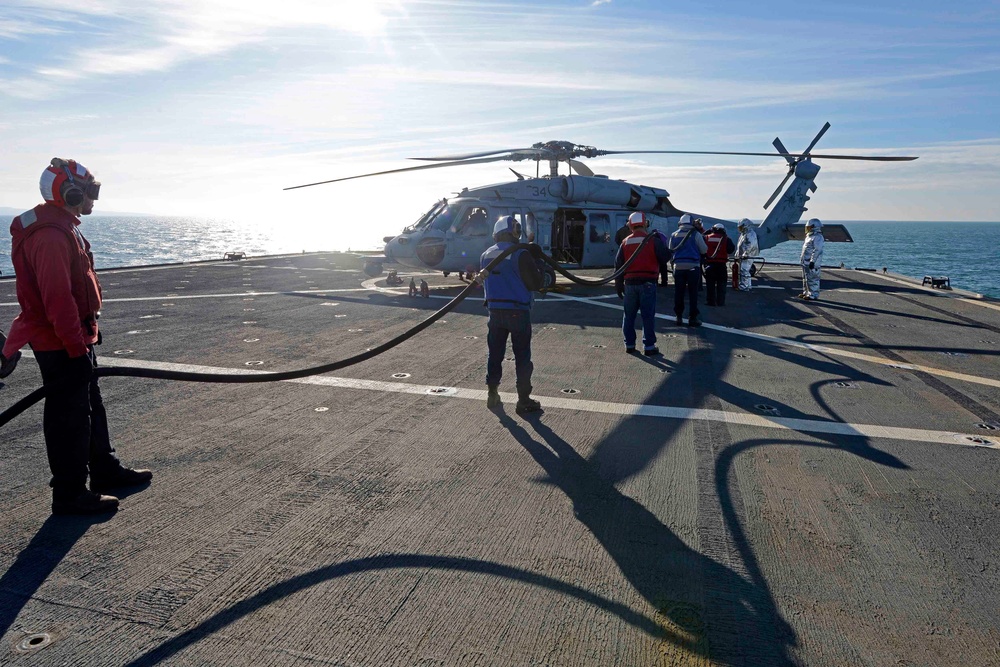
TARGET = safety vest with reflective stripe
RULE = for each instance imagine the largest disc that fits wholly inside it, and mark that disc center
(646, 264)
(717, 252)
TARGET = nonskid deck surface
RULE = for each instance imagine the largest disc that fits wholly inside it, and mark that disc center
(798, 482)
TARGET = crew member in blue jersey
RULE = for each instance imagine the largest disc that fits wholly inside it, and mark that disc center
(687, 246)
(637, 286)
(508, 288)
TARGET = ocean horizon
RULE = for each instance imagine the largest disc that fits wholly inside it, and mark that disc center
(966, 252)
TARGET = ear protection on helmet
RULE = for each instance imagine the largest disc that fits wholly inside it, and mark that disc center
(65, 182)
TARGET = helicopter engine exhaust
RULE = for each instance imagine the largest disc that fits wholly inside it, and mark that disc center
(605, 191)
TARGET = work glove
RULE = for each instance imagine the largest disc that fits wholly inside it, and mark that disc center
(620, 289)
(812, 265)
(535, 250)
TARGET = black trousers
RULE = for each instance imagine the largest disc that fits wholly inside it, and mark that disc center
(75, 425)
(686, 281)
(715, 283)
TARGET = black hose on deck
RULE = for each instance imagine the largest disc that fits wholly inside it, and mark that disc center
(184, 376)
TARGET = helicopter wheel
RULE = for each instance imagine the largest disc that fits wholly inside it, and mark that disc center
(548, 278)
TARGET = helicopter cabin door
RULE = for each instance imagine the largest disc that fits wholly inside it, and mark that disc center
(469, 236)
(569, 235)
(599, 245)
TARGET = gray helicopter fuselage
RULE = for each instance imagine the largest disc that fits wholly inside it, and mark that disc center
(573, 218)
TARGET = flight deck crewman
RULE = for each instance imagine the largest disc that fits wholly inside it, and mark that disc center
(637, 286)
(688, 247)
(60, 300)
(810, 259)
(746, 249)
(720, 247)
(508, 290)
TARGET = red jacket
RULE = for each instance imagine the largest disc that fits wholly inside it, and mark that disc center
(57, 287)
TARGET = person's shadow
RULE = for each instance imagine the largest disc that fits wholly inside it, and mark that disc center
(37, 561)
(674, 579)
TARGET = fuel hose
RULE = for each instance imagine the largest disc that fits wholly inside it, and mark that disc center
(185, 376)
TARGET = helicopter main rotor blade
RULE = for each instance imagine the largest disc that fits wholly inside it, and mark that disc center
(471, 155)
(817, 138)
(878, 158)
(396, 171)
(581, 168)
(777, 192)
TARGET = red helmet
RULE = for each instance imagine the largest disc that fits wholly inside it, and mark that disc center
(66, 182)
(638, 219)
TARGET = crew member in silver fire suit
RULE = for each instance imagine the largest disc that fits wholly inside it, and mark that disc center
(746, 250)
(811, 258)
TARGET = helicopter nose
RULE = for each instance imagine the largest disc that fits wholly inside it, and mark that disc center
(398, 247)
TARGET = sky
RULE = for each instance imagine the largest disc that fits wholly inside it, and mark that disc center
(208, 108)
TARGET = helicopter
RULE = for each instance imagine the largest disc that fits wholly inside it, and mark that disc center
(574, 217)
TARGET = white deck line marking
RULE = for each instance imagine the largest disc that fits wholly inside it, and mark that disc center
(177, 297)
(817, 348)
(623, 409)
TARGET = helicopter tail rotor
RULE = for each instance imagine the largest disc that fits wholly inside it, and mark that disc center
(793, 161)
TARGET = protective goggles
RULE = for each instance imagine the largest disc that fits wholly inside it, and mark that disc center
(92, 189)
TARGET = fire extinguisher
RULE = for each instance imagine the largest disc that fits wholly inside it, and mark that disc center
(736, 274)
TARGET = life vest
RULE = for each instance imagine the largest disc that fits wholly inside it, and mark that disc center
(35, 323)
(645, 266)
(717, 251)
(504, 287)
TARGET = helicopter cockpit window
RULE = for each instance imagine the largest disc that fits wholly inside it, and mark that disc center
(475, 222)
(442, 220)
(426, 218)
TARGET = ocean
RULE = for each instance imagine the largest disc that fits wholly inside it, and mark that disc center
(966, 252)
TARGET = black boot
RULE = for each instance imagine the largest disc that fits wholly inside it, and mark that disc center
(492, 397)
(119, 479)
(85, 503)
(525, 403)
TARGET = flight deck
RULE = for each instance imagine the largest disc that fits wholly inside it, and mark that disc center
(794, 482)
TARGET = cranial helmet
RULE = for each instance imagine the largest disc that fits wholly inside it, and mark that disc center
(638, 219)
(66, 183)
(744, 224)
(719, 227)
(685, 220)
(814, 223)
(507, 224)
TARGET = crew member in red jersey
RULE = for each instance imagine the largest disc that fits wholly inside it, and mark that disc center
(720, 247)
(60, 299)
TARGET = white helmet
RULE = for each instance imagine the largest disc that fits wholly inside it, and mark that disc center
(637, 219)
(744, 223)
(685, 220)
(719, 226)
(815, 224)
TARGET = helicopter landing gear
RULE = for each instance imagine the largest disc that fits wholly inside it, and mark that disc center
(548, 278)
